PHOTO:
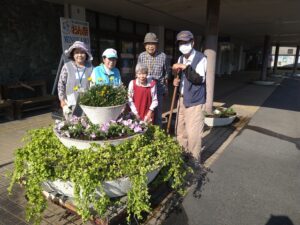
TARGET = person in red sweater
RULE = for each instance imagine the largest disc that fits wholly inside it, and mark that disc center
(142, 95)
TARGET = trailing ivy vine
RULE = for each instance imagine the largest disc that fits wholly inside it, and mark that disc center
(44, 158)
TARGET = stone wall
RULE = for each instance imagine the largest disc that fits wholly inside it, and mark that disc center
(30, 41)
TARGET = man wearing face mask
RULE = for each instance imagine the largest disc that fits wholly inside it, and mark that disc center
(190, 119)
(158, 70)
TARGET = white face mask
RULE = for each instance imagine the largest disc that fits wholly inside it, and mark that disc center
(185, 48)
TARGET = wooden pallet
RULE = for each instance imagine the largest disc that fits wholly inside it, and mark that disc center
(114, 215)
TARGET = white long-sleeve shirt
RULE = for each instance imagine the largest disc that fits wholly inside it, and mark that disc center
(131, 94)
(200, 68)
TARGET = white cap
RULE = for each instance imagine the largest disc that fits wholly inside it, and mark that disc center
(110, 53)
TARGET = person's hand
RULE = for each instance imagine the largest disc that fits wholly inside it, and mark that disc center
(137, 116)
(178, 66)
(67, 112)
(148, 117)
(62, 103)
(176, 81)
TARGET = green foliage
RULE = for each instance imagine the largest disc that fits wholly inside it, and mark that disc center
(222, 112)
(44, 158)
(104, 95)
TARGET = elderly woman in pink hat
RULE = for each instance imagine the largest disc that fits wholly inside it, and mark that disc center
(74, 78)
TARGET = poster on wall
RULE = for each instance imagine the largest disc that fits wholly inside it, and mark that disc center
(74, 30)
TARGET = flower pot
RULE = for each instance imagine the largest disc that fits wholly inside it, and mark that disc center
(85, 144)
(114, 188)
(215, 121)
(100, 115)
(264, 82)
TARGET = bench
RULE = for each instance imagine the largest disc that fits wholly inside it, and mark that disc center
(35, 96)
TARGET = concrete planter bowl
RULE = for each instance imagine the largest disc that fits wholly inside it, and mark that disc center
(114, 188)
(217, 122)
(221, 116)
(100, 115)
(85, 144)
(264, 82)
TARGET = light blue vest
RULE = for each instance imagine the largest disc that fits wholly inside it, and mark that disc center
(101, 76)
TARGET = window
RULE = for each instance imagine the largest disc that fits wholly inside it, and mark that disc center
(126, 26)
(141, 28)
(290, 51)
(127, 61)
(107, 22)
(106, 43)
(91, 18)
(139, 48)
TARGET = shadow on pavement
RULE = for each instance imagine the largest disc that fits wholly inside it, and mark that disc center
(279, 220)
(296, 141)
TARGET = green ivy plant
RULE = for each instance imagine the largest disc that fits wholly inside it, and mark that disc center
(44, 158)
(221, 112)
(104, 96)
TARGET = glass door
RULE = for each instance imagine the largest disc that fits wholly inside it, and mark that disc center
(127, 61)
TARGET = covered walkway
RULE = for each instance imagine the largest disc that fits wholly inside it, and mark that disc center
(256, 180)
(246, 99)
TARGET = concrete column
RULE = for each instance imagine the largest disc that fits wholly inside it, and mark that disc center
(296, 60)
(211, 46)
(219, 61)
(276, 58)
(231, 59)
(240, 59)
(264, 69)
(67, 13)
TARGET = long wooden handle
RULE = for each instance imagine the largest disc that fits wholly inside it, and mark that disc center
(172, 106)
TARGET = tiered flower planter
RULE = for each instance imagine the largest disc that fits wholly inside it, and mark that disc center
(91, 161)
(97, 115)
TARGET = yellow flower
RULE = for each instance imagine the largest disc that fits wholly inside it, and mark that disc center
(112, 78)
(75, 88)
(90, 78)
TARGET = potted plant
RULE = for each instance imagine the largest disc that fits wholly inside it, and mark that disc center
(221, 116)
(44, 158)
(102, 103)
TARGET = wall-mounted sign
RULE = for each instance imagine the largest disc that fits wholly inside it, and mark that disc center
(74, 30)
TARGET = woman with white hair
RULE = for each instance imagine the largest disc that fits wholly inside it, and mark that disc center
(142, 94)
(74, 78)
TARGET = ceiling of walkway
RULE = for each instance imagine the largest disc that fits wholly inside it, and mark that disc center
(247, 20)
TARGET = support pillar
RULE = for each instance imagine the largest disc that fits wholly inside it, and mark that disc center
(67, 10)
(296, 60)
(211, 47)
(276, 59)
(240, 59)
(264, 69)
